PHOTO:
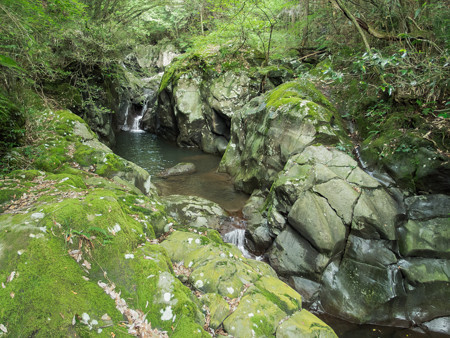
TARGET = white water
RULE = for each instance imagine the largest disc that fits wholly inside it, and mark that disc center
(237, 237)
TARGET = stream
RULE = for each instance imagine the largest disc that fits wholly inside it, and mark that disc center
(156, 155)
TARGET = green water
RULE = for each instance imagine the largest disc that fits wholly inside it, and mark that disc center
(156, 155)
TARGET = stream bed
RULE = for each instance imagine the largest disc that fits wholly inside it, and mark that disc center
(156, 155)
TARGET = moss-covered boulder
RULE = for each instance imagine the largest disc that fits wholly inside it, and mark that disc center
(257, 300)
(272, 128)
(196, 101)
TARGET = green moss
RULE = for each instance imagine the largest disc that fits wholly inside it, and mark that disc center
(67, 181)
(294, 92)
(28, 175)
(86, 156)
(111, 165)
(49, 292)
(262, 327)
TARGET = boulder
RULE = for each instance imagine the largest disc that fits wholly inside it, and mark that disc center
(259, 301)
(291, 254)
(195, 211)
(196, 110)
(184, 168)
(312, 327)
(270, 129)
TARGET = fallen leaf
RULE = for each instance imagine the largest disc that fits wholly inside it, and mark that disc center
(12, 294)
(62, 316)
(74, 292)
(85, 278)
(3, 285)
(87, 264)
(74, 321)
(3, 328)
(105, 317)
(11, 277)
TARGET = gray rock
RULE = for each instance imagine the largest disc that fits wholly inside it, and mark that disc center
(316, 221)
(195, 211)
(425, 238)
(428, 206)
(425, 270)
(361, 292)
(379, 253)
(375, 215)
(308, 289)
(341, 196)
(439, 325)
(291, 254)
(184, 168)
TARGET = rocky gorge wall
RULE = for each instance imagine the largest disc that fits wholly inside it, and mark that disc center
(353, 246)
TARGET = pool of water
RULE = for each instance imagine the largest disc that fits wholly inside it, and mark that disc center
(156, 155)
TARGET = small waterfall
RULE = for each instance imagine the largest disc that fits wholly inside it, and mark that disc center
(237, 237)
(125, 126)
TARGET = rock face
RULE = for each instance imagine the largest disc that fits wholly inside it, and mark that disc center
(196, 112)
(272, 128)
(348, 245)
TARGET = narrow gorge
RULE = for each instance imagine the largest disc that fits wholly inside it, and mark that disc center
(242, 169)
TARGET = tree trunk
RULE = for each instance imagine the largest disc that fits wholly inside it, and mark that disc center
(306, 28)
(355, 22)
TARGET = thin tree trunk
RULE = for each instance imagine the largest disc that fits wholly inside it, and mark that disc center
(352, 18)
(306, 28)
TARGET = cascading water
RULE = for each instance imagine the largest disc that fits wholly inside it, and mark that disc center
(135, 126)
(237, 238)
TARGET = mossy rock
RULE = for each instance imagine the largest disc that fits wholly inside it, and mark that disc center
(255, 316)
(218, 307)
(304, 324)
(296, 91)
(280, 294)
(48, 292)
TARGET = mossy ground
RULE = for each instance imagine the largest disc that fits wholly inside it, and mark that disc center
(67, 234)
(65, 228)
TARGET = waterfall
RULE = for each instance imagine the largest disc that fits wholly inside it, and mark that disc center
(237, 238)
(125, 126)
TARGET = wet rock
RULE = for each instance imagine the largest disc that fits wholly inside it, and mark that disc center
(378, 253)
(360, 292)
(308, 289)
(179, 169)
(439, 325)
(423, 270)
(195, 211)
(291, 254)
(425, 207)
(311, 327)
(425, 238)
(257, 229)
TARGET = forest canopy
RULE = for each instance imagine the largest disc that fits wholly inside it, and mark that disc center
(394, 48)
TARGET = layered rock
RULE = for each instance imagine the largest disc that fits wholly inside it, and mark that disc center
(348, 245)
